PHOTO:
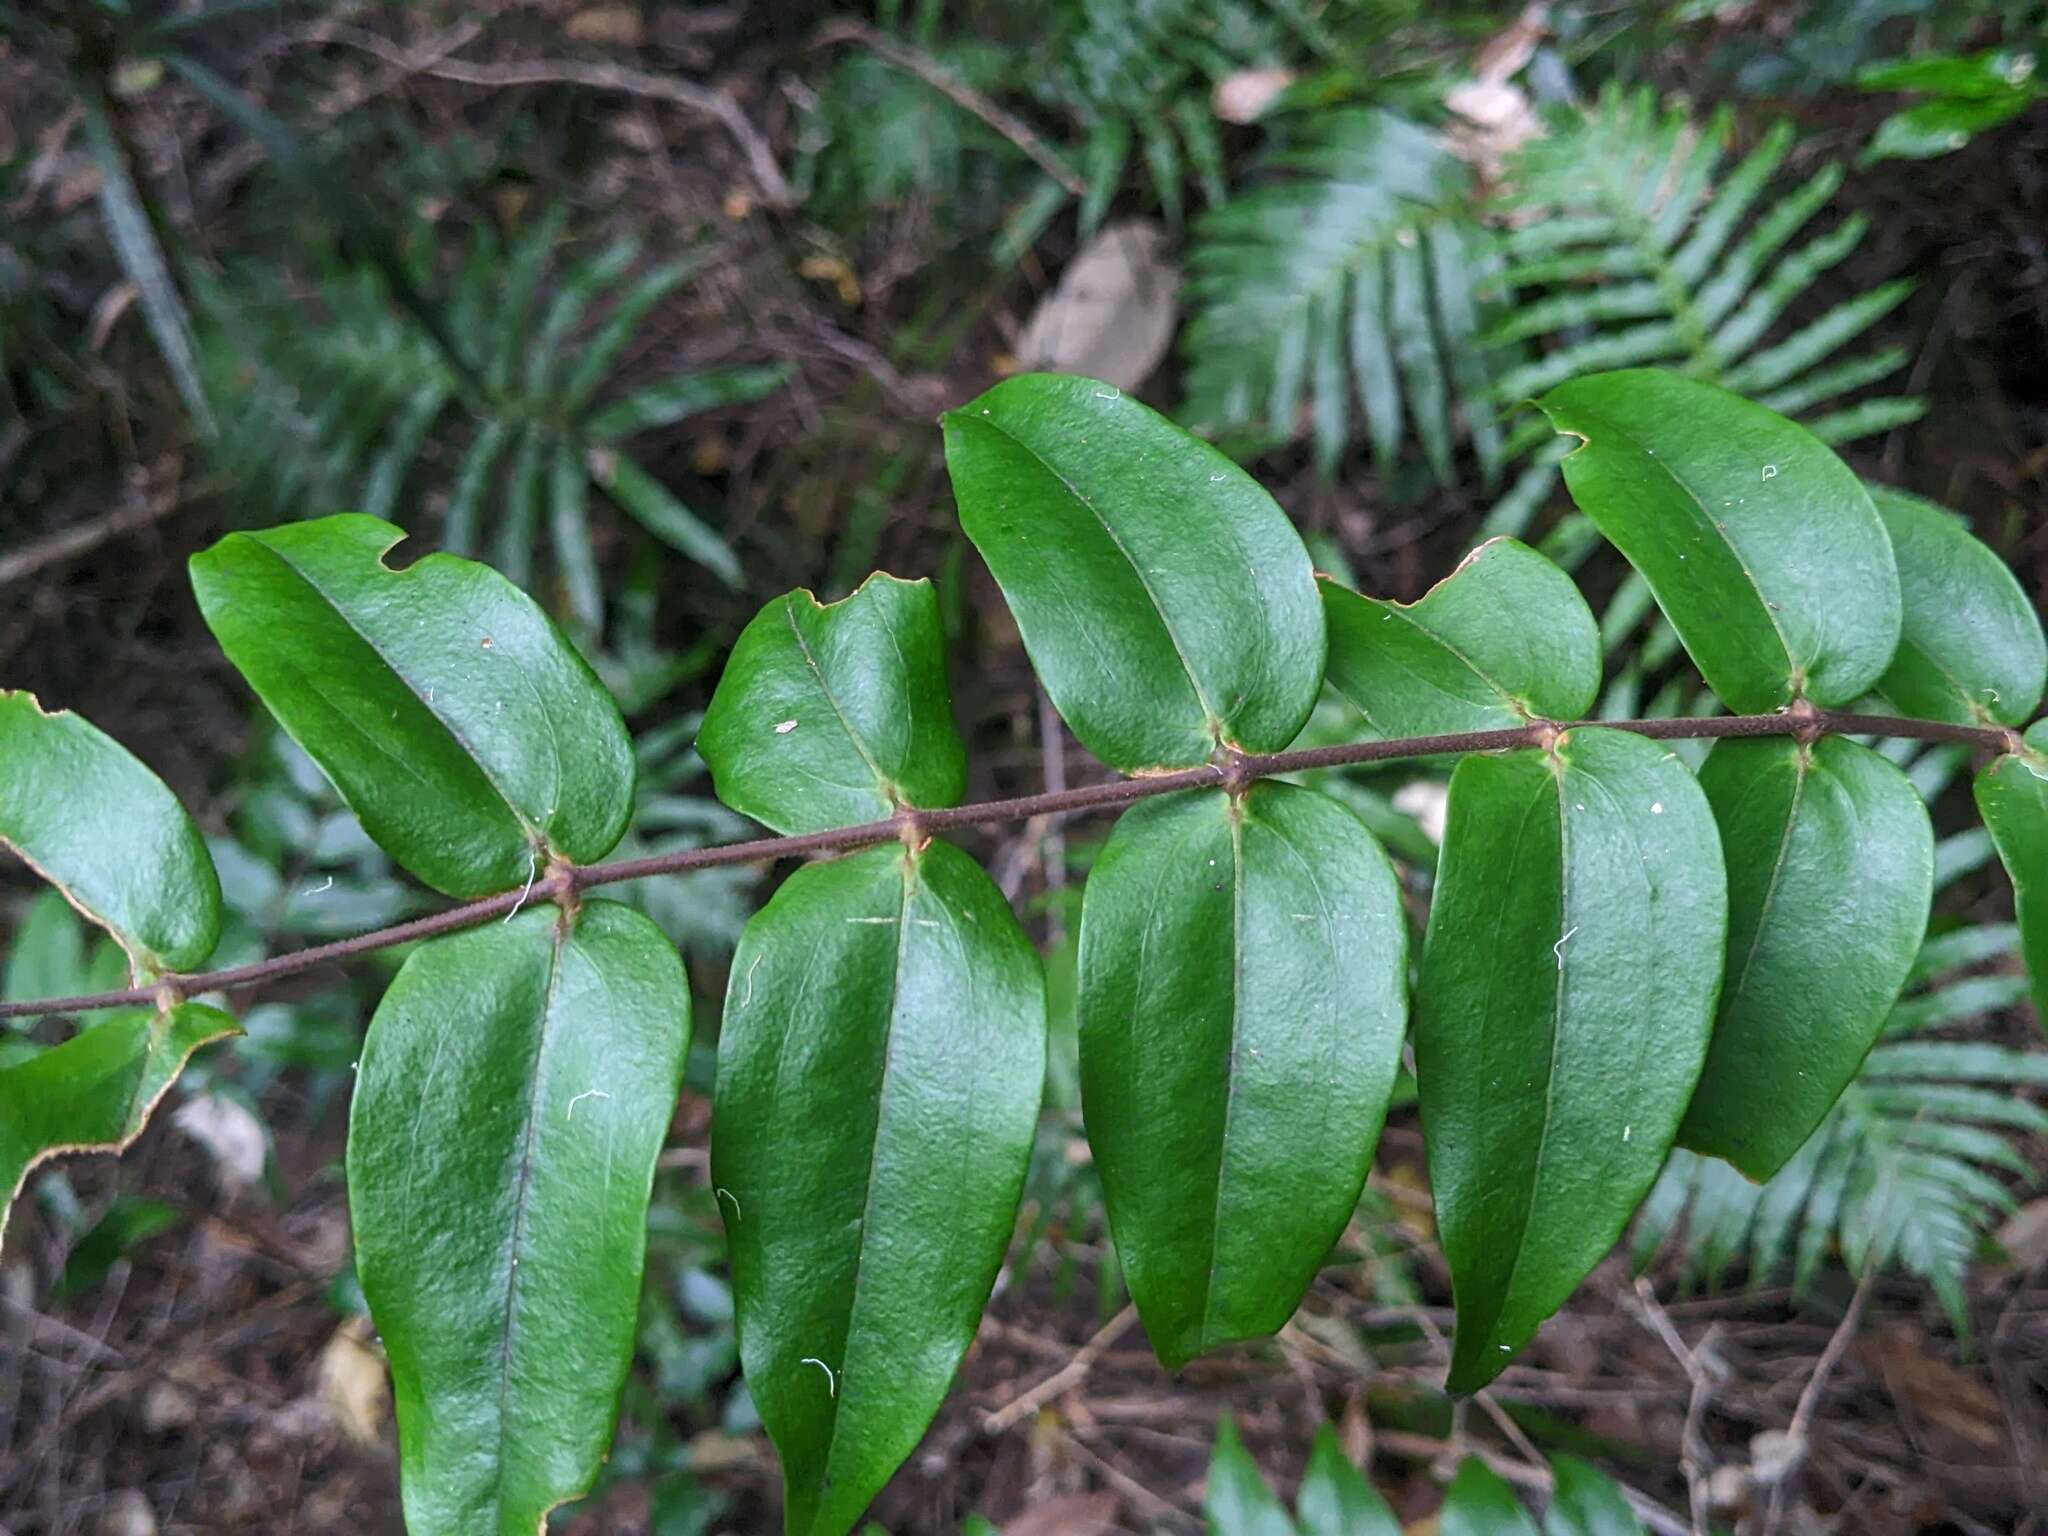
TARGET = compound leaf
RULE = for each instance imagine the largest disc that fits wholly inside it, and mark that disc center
(1830, 863)
(1243, 968)
(468, 735)
(1970, 648)
(1503, 638)
(515, 1087)
(831, 714)
(1762, 547)
(1567, 988)
(1166, 601)
(87, 816)
(94, 1093)
(879, 1071)
(2012, 797)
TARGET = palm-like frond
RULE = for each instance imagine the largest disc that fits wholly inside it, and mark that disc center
(497, 405)
(1352, 268)
(1904, 1174)
(1631, 240)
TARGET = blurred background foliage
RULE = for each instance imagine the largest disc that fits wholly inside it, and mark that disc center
(653, 305)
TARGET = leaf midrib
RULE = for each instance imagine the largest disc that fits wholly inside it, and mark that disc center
(1137, 571)
(882, 784)
(341, 613)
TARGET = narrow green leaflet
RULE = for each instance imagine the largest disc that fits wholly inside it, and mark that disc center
(1243, 975)
(1166, 601)
(831, 714)
(94, 1093)
(1970, 649)
(1567, 989)
(1335, 1499)
(1236, 1500)
(1830, 862)
(1479, 1502)
(88, 817)
(461, 727)
(1762, 547)
(2012, 797)
(879, 1070)
(515, 1087)
(1586, 1502)
(1501, 640)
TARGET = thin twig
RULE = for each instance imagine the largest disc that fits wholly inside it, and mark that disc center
(1235, 772)
(1809, 1398)
(68, 543)
(960, 93)
(598, 77)
(1700, 1366)
(1063, 1380)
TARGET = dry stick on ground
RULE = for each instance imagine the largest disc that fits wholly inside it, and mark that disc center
(960, 93)
(1701, 1367)
(1065, 1379)
(1236, 772)
(1809, 1399)
(598, 77)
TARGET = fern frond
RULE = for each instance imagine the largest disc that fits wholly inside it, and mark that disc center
(1350, 269)
(360, 409)
(1632, 239)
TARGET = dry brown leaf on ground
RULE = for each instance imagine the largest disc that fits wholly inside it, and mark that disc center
(1112, 315)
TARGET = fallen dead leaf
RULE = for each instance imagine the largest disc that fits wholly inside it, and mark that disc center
(231, 1135)
(2024, 1234)
(618, 25)
(1243, 95)
(354, 1386)
(1111, 316)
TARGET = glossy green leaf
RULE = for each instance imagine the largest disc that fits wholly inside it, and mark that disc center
(879, 1070)
(1830, 863)
(1942, 126)
(1243, 970)
(467, 734)
(831, 714)
(1235, 1499)
(515, 1088)
(87, 816)
(1479, 1502)
(1335, 1499)
(1586, 1502)
(1970, 647)
(94, 1093)
(2012, 797)
(1166, 601)
(1504, 638)
(1763, 548)
(1567, 989)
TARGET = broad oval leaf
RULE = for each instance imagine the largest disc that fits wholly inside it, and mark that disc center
(515, 1087)
(94, 1093)
(1586, 1502)
(1335, 1500)
(831, 714)
(880, 1063)
(464, 731)
(2012, 797)
(87, 816)
(1166, 601)
(1762, 548)
(1567, 989)
(1479, 1502)
(1243, 978)
(1830, 863)
(1503, 639)
(1970, 649)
